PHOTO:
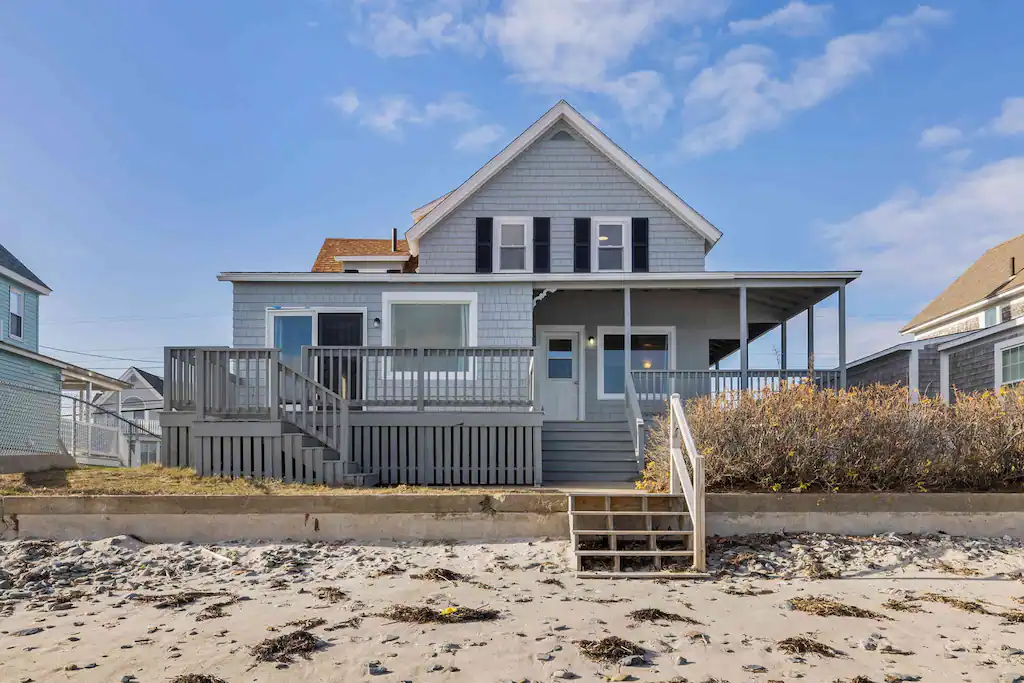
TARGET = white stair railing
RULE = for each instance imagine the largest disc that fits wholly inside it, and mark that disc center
(686, 475)
(637, 428)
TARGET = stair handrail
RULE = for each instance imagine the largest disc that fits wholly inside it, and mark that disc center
(292, 389)
(637, 428)
(690, 480)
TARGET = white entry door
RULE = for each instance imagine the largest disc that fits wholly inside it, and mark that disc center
(560, 392)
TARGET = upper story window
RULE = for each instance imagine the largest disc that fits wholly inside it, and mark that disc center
(610, 244)
(513, 242)
(16, 324)
(991, 316)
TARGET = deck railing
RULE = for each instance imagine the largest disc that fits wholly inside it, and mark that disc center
(499, 378)
(236, 383)
(659, 385)
(312, 407)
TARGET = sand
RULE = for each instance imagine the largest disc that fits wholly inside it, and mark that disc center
(109, 633)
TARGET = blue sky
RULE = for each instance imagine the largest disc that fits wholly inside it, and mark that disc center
(145, 147)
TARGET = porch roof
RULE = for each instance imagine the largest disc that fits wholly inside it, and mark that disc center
(689, 280)
(73, 377)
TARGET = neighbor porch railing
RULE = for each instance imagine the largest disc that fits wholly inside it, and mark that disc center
(493, 378)
(659, 385)
(686, 475)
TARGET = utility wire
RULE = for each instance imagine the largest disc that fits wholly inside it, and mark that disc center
(98, 355)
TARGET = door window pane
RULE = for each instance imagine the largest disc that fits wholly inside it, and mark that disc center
(340, 329)
(439, 326)
(648, 352)
(560, 364)
(291, 333)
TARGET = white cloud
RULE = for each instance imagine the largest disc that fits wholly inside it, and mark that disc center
(937, 137)
(740, 95)
(585, 45)
(958, 156)
(919, 244)
(405, 28)
(1011, 120)
(390, 113)
(347, 102)
(479, 138)
(795, 19)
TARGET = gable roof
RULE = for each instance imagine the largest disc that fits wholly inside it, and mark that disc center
(345, 246)
(987, 277)
(156, 382)
(563, 111)
(11, 267)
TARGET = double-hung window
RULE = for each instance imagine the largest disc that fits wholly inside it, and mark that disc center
(438, 323)
(513, 244)
(610, 244)
(1009, 363)
(16, 323)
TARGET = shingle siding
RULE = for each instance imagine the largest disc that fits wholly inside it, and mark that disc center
(972, 367)
(929, 372)
(893, 368)
(30, 338)
(504, 310)
(29, 420)
(560, 179)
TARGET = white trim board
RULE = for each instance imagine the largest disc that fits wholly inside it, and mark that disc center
(978, 306)
(602, 330)
(977, 335)
(24, 281)
(541, 349)
(998, 350)
(562, 111)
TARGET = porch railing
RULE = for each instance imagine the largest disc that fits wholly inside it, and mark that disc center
(236, 383)
(659, 385)
(426, 378)
(180, 377)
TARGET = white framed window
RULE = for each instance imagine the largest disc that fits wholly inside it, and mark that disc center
(1009, 363)
(513, 244)
(610, 244)
(16, 322)
(430, 320)
(652, 348)
(990, 317)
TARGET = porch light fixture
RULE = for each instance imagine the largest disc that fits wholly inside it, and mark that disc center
(591, 341)
(376, 323)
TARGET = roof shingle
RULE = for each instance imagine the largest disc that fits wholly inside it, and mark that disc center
(11, 263)
(987, 277)
(345, 246)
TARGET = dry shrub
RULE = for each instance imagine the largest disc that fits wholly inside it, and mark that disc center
(862, 439)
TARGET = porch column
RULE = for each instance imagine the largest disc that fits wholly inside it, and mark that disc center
(626, 326)
(842, 336)
(744, 355)
(810, 343)
(782, 343)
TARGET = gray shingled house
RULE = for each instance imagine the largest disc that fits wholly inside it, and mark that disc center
(969, 338)
(523, 331)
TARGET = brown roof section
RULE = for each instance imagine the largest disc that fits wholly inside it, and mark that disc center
(987, 277)
(344, 246)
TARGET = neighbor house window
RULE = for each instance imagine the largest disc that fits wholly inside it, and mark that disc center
(651, 348)
(991, 316)
(610, 244)
(513, 244)
(16, 324)
(1009, 363)
(436, 322)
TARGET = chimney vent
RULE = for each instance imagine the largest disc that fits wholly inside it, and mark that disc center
(394, 240)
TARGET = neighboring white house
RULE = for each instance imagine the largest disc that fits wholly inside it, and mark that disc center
(140, 404)
(969, 338)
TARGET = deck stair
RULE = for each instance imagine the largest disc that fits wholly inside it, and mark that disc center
(633, 535)
(591, 451)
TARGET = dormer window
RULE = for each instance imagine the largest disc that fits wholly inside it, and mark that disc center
(16, 324)
(513, 242)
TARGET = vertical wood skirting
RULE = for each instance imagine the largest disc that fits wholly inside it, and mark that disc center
(449, 455)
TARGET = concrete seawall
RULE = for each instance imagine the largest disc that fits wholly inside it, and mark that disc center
(483, 517)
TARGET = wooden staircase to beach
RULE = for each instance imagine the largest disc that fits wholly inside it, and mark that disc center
(635, 534)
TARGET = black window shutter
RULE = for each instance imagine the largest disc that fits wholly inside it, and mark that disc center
(640, 250)
(484, 244)
(542, 245)
(581, 245)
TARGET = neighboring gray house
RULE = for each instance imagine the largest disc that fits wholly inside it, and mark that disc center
(36, 418)
(140, 405)
(490, 345)
(970, 338)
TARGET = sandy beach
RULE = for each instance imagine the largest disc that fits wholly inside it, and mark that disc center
(904, 609)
